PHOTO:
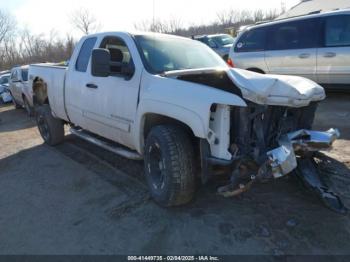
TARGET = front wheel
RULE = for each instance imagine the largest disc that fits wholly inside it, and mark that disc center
(50, 128)
(169, 165)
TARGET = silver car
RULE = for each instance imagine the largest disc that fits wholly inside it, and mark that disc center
(5, 96)
(220, 43)
(314, 46)
(22, 94)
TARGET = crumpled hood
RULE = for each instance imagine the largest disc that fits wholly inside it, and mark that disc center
(280, 90)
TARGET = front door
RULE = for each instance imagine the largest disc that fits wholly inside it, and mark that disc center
(110, 102)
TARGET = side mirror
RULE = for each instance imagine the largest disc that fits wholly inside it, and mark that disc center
(100, 62)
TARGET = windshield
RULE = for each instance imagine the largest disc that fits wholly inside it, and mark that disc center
(4, 80)
(223, 39)
(167, 53)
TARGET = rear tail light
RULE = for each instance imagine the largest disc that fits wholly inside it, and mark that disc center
(230, 62)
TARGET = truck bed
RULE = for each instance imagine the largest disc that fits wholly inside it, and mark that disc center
(54, 76)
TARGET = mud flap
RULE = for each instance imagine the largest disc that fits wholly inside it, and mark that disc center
(307, 172)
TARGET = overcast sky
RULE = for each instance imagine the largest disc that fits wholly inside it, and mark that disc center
(41, 16)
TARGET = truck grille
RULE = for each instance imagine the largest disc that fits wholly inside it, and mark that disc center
(256, 129)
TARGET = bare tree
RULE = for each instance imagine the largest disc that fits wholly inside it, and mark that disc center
(7, 25)
(172, 26)
(226, 17)
(83, 20)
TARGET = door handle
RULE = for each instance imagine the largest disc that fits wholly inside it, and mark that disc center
(329, 54)
(304, 55)
(90, 85)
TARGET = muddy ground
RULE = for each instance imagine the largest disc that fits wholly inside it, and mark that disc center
(79, 199)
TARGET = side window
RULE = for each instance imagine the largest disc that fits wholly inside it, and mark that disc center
(212, 43)
(25, 75)
(294, 35)
(251, 41)
(85, 54)
(14, 75)
(120, 53)
(337, 31)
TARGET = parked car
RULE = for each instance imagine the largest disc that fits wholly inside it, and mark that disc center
(220, 43)
(313, 46)
(4, 85)
(4, 82)
(174, 103)
(21, 92)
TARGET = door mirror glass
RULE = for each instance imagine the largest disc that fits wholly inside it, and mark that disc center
(100, 62)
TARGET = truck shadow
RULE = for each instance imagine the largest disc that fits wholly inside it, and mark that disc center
(277, 216)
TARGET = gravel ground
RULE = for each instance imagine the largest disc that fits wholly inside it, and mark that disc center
(79, 199)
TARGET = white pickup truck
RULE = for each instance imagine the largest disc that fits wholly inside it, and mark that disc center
(174, 103)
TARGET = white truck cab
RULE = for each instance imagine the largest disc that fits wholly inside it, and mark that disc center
(174, 103)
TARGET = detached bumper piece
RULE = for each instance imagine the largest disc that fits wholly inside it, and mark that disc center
(308, 174)
(283, 159)
(290, 157)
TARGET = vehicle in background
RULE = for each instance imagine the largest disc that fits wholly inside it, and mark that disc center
(22, 93)
(314, 46)
(174, 103)
(4, 82)
(220, 43)
(4, 85)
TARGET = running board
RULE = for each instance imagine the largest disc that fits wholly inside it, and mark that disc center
(119, 150)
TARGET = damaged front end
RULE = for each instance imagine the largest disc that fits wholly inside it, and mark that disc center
(268, 138)
(273, 141)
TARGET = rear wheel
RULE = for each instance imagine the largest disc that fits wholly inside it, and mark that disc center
(50, 128)
(169, 165)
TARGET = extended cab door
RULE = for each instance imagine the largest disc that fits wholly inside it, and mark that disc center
(76, 78)
(109, 103)
(333, 58)
(291, 48)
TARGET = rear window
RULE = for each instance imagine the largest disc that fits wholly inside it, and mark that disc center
(84, 54)
(337, 31)
(293, 35)
(251, 41)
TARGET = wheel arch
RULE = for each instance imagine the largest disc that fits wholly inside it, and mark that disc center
(256, 70)
(40, 95)
(151, 119)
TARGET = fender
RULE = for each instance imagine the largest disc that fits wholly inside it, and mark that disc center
(183, 101)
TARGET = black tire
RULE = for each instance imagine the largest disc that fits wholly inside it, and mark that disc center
(50, 128)
(27, 107)
(170, 165)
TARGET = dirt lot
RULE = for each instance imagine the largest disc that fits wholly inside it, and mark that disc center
(79, 199)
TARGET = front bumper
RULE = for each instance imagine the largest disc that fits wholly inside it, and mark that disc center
(283, 159)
